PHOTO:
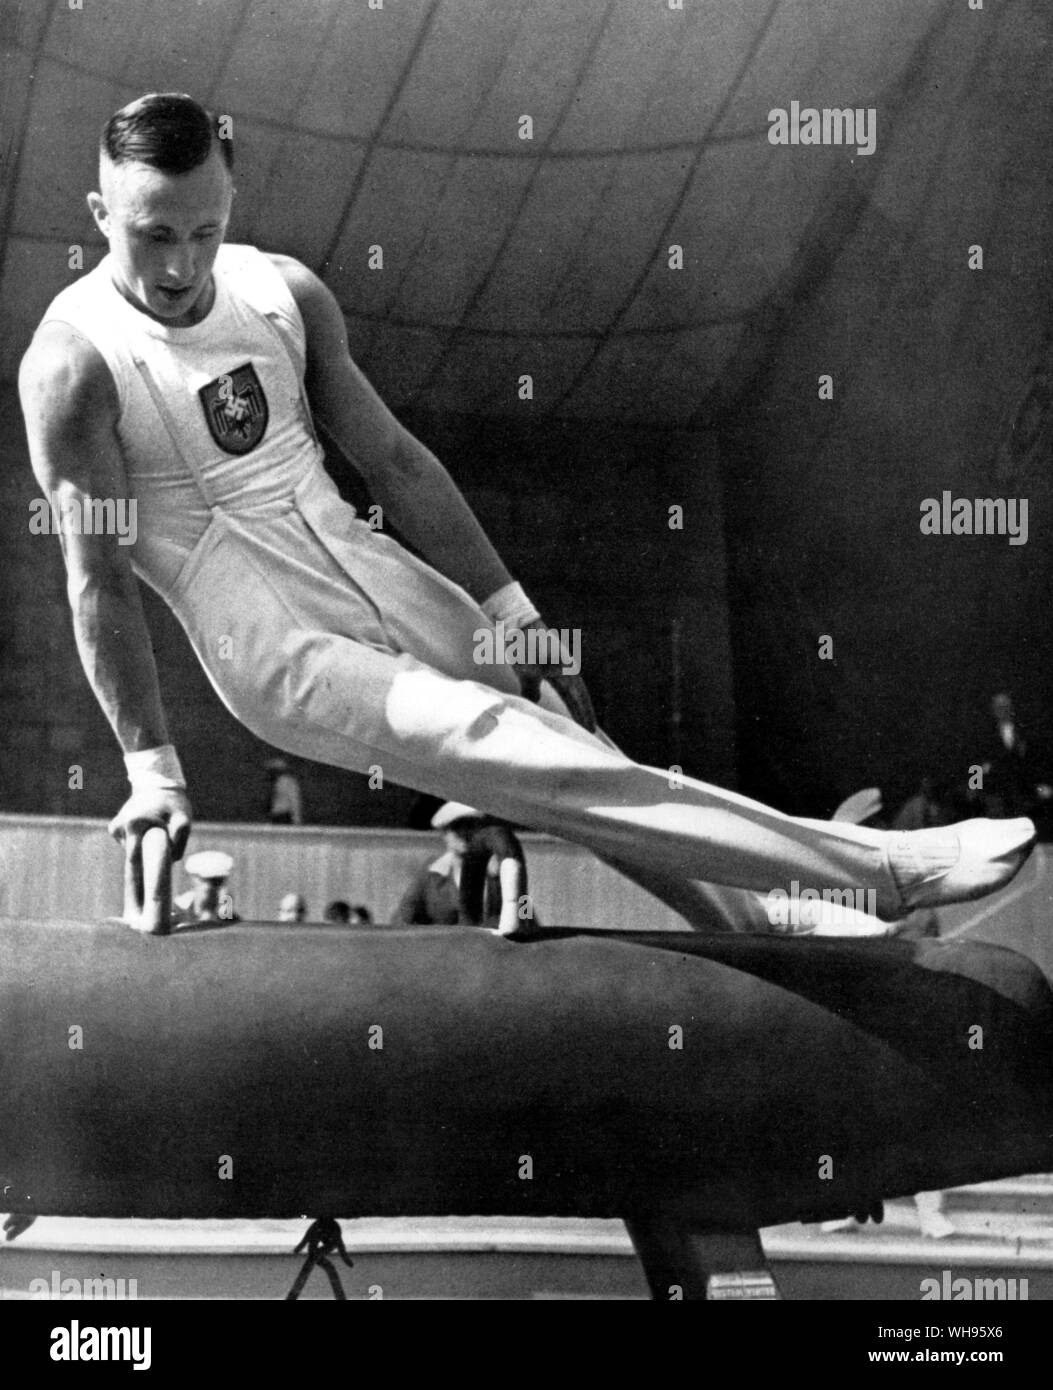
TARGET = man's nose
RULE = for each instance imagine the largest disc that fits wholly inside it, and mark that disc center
(179, 265)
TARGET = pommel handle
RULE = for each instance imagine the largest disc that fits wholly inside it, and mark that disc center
(148, 884)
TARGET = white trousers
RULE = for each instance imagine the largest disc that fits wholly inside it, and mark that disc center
(330, 641)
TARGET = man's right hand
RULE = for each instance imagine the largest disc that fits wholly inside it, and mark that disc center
(571, 689)
(168, 808)
(147, 858)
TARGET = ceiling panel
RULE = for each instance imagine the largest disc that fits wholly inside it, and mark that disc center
(363, 59)
(660, 75)
(539, 75)
(278, 174)
(16, 88)
(761, 255)
(22, 26)
(614, 94)
(34, 272)
(466, 229)
(707, 225)
(104, 40)
(398, 126)
(273, 59)
(153, 45)
(783, 53)
(524, 287)
(592, 227)
(461, 59)
(912, 147)
(868, 54)
(481, 373)
(826, 55)
(641, 377)
(59, 163)
(394, 208)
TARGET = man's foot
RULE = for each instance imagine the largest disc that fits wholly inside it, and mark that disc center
(956, 863)
(935, 1226)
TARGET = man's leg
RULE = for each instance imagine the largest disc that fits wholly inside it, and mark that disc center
(357, 707)
(361, 701)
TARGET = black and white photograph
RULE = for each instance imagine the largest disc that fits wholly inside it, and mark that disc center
(526, 761)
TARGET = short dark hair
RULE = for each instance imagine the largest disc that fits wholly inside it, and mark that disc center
(169, 131)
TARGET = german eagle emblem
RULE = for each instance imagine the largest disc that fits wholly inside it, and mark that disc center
(236, 409)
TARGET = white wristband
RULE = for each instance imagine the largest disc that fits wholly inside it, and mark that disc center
(155, 769)
(510, 606)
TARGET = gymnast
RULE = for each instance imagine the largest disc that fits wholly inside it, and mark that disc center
(190, 375)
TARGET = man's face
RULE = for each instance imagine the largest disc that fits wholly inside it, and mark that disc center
(1002, 707)
(457, 842)
(164, 231)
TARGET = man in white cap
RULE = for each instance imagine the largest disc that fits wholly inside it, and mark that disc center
(208, 900)
(480, 879)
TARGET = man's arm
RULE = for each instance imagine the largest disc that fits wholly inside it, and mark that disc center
(403, 476)
(70, 408)
(406, 479)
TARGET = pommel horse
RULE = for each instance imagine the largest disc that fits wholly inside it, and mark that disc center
(696, 1087)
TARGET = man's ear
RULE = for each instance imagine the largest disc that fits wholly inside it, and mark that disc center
(98, 211)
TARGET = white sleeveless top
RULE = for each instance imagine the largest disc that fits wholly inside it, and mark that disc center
(211, 416)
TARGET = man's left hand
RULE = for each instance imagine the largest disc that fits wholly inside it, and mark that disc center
(571, 688)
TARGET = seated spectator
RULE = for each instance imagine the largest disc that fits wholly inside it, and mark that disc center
(927, 807)
(286, 803)
(292, 908)
(343, 913)
(208, 900)
(479, 880)
(1011, 782)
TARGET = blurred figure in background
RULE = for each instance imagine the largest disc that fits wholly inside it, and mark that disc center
(434, 896)
(1011, 785)
(928, 806)
(345, 915)
(286, 803)
(292, 908)
(480, 879)
(208, 900)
